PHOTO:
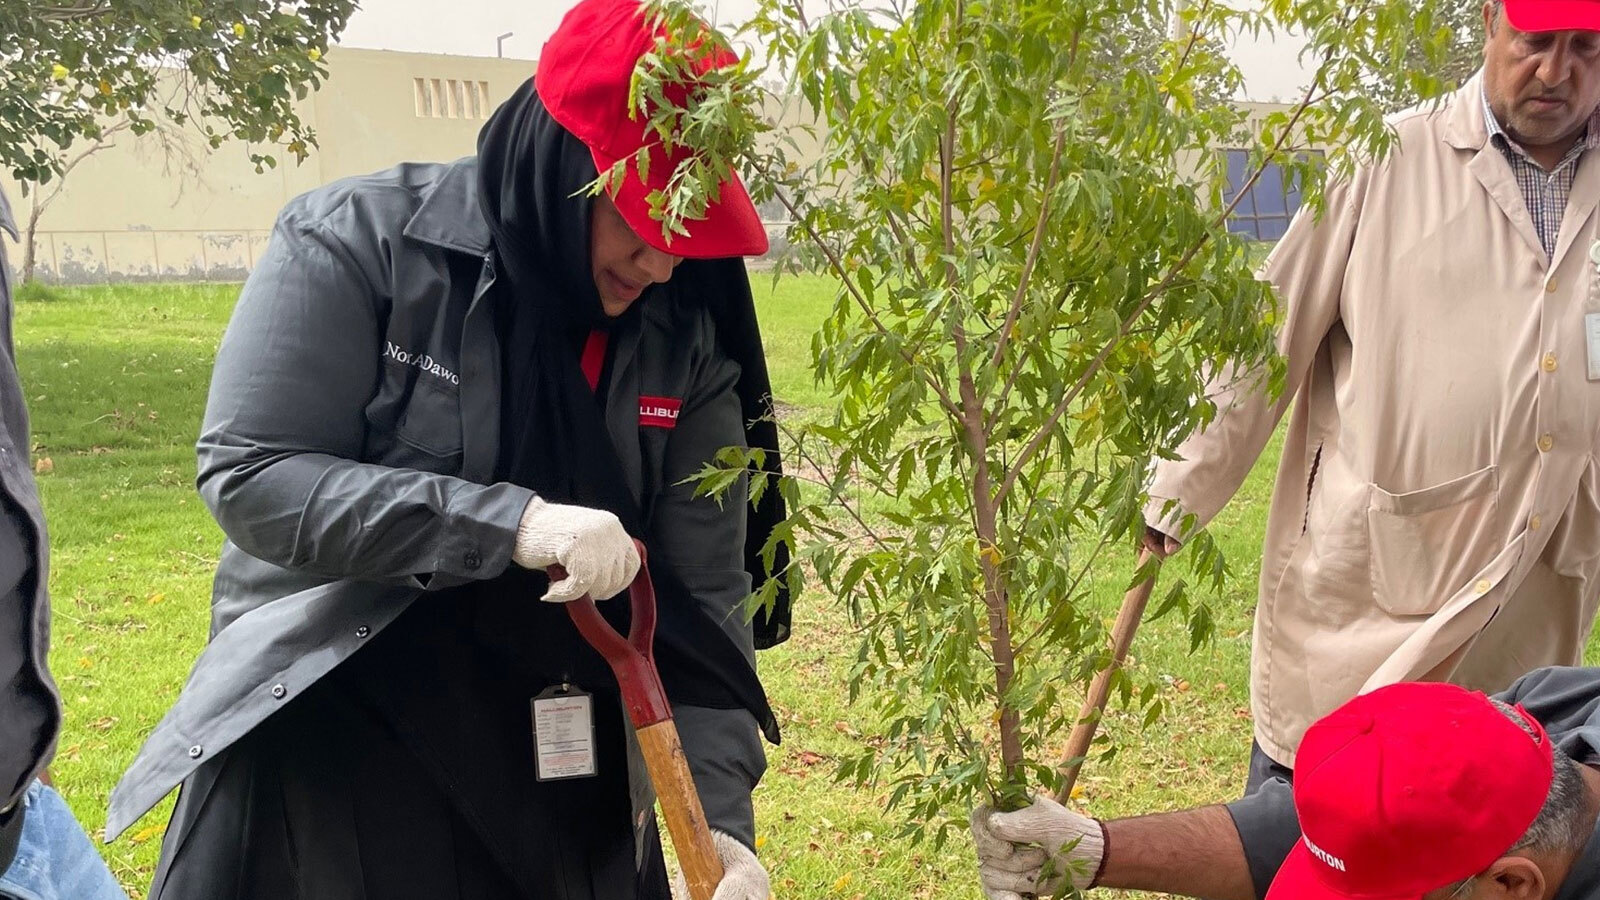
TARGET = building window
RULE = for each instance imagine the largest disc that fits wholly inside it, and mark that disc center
(423, 97)
(440, 102)
(450, 98)
(1264, 213)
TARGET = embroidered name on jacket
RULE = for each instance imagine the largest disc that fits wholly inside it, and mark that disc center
(659, 412)
(420, 361)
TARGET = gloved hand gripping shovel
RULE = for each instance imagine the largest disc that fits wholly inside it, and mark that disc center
(632, 659)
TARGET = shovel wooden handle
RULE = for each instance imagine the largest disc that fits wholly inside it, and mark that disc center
(680, 806)
(1094, 702)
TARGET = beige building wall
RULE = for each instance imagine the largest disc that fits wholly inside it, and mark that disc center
(130, 213)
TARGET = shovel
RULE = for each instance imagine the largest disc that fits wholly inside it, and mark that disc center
(632, 659)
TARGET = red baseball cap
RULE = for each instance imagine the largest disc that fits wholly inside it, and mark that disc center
(1408, 789)
(583, 79)
(1553, 15)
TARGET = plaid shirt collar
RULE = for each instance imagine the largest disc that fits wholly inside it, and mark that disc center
(1498, 136)
(1545, 192)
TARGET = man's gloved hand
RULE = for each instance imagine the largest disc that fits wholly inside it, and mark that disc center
(743, 878)
(590, 544)
(1036, 850)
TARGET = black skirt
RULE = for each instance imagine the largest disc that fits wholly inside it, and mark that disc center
(408, 772)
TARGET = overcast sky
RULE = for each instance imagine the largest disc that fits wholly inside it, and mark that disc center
(469, 27)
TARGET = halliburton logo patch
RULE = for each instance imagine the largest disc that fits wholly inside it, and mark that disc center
(659, 412)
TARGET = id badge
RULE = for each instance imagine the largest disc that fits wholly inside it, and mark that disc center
(563, 734)
(1591, 335)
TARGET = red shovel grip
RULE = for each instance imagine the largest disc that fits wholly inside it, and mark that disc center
(631, 658)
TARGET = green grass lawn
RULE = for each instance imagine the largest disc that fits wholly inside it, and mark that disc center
(116, 378)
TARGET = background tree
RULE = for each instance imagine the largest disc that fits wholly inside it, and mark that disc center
(1460, 30)
(1036, 285)
(71, 68)
(181, 162)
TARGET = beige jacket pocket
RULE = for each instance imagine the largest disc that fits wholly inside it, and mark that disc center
(1418, 540)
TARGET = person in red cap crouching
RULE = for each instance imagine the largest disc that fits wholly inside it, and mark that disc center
(1418, 791)
(441, 380)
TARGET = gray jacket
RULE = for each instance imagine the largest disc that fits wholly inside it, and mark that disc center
(349, 440)
(30, 708)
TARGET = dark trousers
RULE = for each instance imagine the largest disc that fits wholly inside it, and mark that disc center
(1263, 769)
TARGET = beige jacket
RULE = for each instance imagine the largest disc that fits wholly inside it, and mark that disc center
(1437, 509)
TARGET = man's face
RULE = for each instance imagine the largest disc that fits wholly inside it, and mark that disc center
(623, 265)
(1542, 86)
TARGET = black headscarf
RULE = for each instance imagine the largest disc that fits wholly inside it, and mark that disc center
(553, 434)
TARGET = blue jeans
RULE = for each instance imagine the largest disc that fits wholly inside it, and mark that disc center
(56, 860)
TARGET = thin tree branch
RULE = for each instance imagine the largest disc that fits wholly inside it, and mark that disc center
(1188, 48)
(1173, 273)
(1015, 312)
(1016, 371)
(71, 12)
(833, 492)
(1072, 590)
(837, 265)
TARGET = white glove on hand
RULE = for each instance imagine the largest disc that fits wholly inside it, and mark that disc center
(743, 878)
(1058, 847)
(590, 544)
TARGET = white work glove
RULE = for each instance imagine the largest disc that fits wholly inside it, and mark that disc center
(1036, 850)
(590, 544)
(743, 878)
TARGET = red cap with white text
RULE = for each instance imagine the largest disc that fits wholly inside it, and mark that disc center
(1409, 789)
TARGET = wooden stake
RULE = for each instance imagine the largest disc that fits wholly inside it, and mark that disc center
(1094, 702)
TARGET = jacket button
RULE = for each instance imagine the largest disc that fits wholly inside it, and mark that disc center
(195, 751)
(279, 692)
(472, 560)
(362, 631)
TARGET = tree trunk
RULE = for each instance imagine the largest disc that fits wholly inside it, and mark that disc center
(30, 243)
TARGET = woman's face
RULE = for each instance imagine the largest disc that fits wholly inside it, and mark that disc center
(622, 263)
